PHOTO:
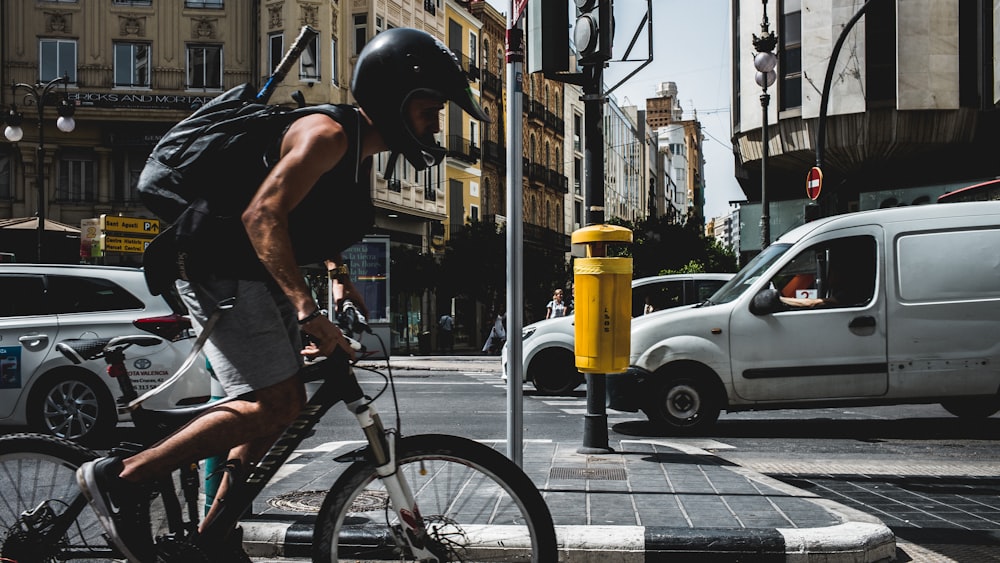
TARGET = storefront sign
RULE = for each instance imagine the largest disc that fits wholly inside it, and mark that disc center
(123, 100)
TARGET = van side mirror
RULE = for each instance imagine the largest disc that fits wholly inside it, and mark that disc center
(767, 301)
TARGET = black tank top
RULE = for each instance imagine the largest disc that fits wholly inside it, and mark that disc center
(335, 214)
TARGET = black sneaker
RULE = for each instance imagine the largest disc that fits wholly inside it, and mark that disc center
(121, 507)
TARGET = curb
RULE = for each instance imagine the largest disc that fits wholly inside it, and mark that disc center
(853, 542)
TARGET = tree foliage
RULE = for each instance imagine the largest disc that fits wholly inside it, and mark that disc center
(475, 266)
(660, 246)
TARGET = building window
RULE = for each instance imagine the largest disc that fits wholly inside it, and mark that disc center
(57, 57)
(275, 49)
(577, 174)
(333, 61)
(210, 4)
(790, 55)
(360, 32)
(880, 55)
(77, 177)
(5, 167)
(132, 64)
(132, 2)
(128, 164)
(473, 50)
(577, 130)
(309, 61)
(204, 67)
(486, 52)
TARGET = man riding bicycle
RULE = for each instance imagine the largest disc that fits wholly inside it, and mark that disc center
(314, 203)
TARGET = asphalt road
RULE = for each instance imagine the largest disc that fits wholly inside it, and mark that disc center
(931, 477)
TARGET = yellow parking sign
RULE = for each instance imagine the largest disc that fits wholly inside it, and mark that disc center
(113, 224)
(124, 244)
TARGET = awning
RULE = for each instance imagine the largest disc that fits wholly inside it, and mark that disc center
(31, 223)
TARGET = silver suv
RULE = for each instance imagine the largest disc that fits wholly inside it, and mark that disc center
(44, 304)
(549, 358)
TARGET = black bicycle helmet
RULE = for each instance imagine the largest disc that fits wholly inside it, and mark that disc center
(397, 64)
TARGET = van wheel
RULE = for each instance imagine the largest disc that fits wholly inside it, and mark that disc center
(972, 407)
(72, 404)
(683, 404)
(554, 372)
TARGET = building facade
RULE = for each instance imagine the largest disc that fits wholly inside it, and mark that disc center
(911, 114)
(133, 69)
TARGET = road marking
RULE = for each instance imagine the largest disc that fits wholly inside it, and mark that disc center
(868, 466)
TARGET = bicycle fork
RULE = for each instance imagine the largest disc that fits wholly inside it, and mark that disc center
(382, 447)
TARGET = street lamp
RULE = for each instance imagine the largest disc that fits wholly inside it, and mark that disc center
(39, 95)
(764, 62)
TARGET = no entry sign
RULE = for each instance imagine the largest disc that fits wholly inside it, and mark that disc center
(814, 182)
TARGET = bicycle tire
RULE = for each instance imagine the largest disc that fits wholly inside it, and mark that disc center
(37, 469)
(470, 496)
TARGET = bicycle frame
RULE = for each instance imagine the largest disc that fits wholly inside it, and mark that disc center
(338, 383)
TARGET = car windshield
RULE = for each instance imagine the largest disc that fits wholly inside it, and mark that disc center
(745, 278)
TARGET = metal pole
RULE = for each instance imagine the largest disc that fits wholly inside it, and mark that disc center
(595, 422)
(515, 240)
(37, 95)
(828, 80)
(40, 177)
(765, 213)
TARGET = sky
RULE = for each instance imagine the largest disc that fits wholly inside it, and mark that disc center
(691, 47)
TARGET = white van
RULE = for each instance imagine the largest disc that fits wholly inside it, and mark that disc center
(879, 307)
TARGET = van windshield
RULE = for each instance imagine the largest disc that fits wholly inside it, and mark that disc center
(748, 275)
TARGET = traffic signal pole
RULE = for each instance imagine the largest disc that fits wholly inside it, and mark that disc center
(595, 422)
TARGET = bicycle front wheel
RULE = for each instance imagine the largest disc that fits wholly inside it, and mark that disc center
(476, 505)
(43, 516)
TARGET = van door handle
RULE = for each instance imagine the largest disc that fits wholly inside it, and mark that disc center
(862, 322)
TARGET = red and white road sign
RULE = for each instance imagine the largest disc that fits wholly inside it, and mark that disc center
(814, 182)
(519, 6)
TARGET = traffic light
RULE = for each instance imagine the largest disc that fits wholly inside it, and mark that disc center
(548, 36)
(594, 31)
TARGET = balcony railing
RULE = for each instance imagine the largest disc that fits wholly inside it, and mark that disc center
(536, 110)
(462, 149)
(496, 154)
(470, 67)
(555, 180)
(491, 83)
(546, 237)
(536, 173)
(554, 122)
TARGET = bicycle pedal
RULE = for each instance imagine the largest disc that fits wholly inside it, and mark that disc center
(353, 456)
(126, 449)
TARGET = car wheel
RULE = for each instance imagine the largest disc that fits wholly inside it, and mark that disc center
(972, 407)
(72, 404)
(683, 405)
(553, 372)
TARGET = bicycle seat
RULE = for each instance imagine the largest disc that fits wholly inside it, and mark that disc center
(78, 350)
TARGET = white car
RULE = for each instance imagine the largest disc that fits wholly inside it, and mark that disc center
(549, 358)
(45, 304)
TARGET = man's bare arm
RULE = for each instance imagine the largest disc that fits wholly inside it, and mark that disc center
(312, 146)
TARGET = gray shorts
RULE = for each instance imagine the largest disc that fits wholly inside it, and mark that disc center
(255, 344)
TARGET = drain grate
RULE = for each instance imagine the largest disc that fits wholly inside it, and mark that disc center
(299, 501)
(311, 501)
(591, 473)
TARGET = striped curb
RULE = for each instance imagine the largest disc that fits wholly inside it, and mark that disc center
(851, 542)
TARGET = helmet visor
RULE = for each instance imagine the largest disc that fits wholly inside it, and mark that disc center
(468, 103)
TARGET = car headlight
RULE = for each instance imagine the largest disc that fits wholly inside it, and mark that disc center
(526, 332)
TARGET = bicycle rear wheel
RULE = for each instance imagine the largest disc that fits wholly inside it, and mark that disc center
(476, 504)
(39, 491)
